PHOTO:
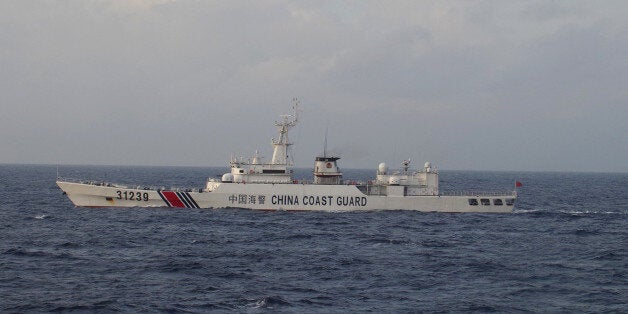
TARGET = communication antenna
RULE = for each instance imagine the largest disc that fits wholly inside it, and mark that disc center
(295, 108)
(295, 119)
(325, 148)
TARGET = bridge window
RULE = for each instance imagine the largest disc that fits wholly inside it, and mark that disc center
(498, 202)
(510, 201)
(485, 201)
(473, 202)
(273, 171)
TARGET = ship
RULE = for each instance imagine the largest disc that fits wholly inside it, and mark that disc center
(255, 184)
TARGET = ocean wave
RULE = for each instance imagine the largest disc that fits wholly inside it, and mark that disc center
(585, 232)
(269, 302)
(68, 245)
(180, 266)
(569, 212)
(99, 305)
(609, 256)
(36, 253)
(383, 240)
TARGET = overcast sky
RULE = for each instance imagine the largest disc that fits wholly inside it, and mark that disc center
(475, 85)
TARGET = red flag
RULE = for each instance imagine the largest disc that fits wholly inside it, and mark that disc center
(518, 184)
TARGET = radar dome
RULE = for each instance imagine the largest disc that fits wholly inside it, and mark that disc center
(227, 177)
(382, 168)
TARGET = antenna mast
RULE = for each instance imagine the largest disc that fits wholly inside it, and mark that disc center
(280, 146)
(325, 148)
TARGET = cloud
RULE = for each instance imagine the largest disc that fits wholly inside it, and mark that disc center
(432, 79)
(127, 7)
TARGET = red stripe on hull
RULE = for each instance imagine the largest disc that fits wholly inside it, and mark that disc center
(173, 199)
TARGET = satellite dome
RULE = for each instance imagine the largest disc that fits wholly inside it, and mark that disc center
(227, 177)
(382, 169)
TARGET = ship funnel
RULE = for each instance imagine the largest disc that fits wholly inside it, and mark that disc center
(326, 170)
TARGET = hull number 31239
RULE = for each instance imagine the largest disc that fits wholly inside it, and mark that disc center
(133, 196)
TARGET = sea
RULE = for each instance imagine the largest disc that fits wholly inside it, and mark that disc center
(563, 249)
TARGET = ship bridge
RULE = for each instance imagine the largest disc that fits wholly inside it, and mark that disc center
(255, 170)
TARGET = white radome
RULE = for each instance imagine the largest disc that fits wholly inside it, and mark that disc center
(382, 168)
(227, 177)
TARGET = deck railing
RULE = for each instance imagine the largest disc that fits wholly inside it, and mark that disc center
(365, 187)
(120, 186)
(478, 193)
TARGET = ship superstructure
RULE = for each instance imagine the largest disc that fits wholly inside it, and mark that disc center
(254, 169)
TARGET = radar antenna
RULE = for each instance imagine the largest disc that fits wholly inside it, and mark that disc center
(406, 165)
(280, 146)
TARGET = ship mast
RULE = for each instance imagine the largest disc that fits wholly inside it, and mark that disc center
(280, 146)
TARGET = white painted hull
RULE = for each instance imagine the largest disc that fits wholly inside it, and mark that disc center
(290, 197)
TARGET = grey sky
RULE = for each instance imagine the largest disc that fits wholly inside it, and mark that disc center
(478, 85)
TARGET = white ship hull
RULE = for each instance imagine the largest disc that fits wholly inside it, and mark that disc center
(288, 197)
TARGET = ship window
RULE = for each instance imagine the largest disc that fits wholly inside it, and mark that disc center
(273, 171)
(510, 201)
(498, 202)
(473, 202)
(241, 171)
(485, 201)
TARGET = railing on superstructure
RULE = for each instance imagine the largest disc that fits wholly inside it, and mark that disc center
(478, 193)
(90, 182)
